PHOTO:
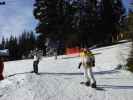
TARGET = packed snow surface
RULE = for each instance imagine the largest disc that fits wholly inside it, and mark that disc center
(60, 79)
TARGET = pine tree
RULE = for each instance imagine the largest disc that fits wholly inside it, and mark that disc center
(27, 42)
(45, 12)
(3, 43)
(12, 46)
(78, 21)
(130, 31)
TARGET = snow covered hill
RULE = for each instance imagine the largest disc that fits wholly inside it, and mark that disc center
(60, 79)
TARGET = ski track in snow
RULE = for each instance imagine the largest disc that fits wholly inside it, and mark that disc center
(60, 80)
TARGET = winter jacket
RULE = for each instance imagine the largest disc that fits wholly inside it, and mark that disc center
(87, 59)
(36, 58)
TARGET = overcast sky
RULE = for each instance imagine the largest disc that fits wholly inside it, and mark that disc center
(16, 16)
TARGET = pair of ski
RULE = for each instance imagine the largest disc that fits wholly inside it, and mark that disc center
(96, 88)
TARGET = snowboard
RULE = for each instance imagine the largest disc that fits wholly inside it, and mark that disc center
(97, 88)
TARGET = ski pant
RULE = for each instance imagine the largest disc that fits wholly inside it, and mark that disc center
(35, 66)
(88, 74)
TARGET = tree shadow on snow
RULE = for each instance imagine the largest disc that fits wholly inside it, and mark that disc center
(71, 74)
(96, 73)
(106, 72)
(115, 86)
(19, 73)
(54, 73)
(46, 73)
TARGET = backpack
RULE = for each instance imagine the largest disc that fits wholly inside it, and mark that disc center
(90, 59)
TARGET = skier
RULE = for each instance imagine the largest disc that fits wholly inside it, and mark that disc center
(1, 68)
(88, 61)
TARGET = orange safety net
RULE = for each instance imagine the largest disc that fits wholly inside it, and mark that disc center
(72, 50)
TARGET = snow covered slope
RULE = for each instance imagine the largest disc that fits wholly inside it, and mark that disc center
(60, 79)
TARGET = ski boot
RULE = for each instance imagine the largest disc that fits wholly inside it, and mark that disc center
(87, 83)
(93, 85)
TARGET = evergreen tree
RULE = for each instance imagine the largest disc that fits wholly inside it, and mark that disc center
(19, 46)
(130, 31)
(12, 46)
(27, 43)
(3, 43)
(78, 21)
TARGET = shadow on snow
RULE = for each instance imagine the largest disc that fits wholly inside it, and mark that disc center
(55, 73)
(115, 86)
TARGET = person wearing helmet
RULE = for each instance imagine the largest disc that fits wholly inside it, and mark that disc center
(88, 61)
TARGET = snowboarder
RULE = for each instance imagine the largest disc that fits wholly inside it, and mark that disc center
(55, 53)
(1, 68)
(88, 61)
(36, 62)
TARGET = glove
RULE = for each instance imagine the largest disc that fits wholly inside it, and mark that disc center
(79, 65)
